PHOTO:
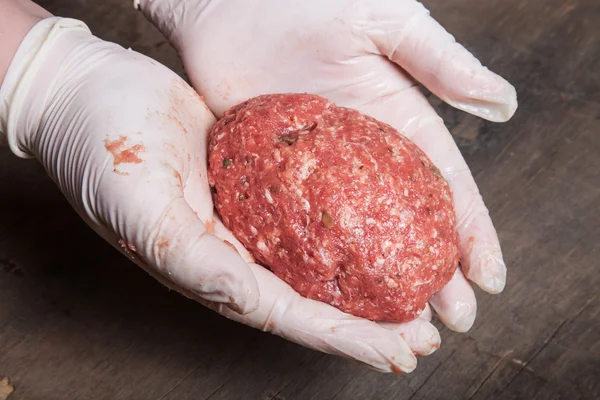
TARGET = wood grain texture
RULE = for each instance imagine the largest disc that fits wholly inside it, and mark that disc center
(78, 321)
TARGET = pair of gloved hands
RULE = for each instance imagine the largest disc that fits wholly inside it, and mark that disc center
(125, 139)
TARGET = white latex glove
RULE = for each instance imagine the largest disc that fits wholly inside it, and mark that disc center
(125, 140)
(361, 54)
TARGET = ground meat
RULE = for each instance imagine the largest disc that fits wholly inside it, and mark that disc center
(337, 204)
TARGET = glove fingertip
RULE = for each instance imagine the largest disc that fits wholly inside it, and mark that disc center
(248, 305)
(455, 304)
(489, 273)
(215, 272)
(495, 105)
(241, 285)
(463, 323)
(494, 284)
(404, 361)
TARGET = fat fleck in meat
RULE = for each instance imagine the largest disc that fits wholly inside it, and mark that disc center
(340, 206)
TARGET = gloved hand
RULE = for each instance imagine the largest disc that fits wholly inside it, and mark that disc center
(125, 140)
(360, 54)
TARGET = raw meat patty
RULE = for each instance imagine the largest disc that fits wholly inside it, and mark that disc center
(340, 206)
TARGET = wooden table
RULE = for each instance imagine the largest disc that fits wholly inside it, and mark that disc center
(78, 321)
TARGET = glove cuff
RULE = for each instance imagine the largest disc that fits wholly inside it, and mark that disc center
(20, 76)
